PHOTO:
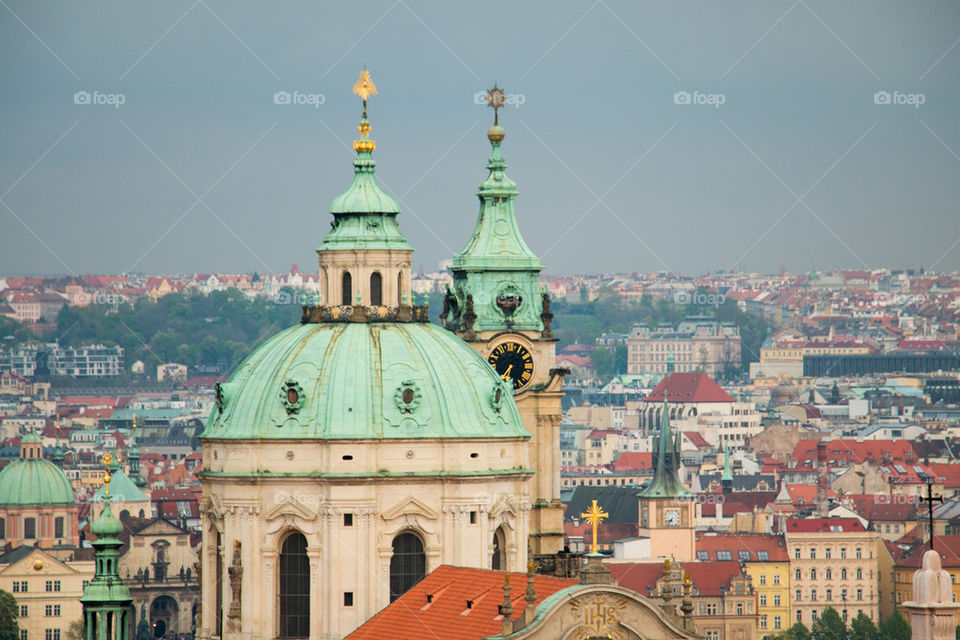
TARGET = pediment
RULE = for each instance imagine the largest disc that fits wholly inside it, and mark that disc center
(410, 506)
(160, 528)
(289, 508)
(605, 611)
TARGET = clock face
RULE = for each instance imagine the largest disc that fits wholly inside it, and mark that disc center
(512, 362)
(671, 517)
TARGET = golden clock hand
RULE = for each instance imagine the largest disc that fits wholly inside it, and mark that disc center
(506, 374)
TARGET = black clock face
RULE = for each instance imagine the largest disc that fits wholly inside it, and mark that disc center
(512, 362)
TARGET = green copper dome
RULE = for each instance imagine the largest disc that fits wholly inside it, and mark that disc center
(33, 482)
(377, 380)
(107, 524)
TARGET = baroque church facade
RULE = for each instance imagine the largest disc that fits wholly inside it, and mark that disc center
(351, 455)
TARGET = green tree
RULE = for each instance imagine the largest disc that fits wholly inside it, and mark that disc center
(895, 628)
(798, 632)
(862, 628)
(829, 626)
(75, 630)
(9, 627)
(602, 359)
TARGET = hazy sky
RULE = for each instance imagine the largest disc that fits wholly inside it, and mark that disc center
(787, 160)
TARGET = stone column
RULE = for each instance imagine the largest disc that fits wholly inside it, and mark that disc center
(932, 612)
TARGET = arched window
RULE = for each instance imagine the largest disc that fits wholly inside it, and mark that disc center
(294, 587)
(346, 289)
(376, 289)
(499, 560)
(29, 528)
(57, 527)
(408, 565)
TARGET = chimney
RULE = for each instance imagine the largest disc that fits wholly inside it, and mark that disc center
(822, 477)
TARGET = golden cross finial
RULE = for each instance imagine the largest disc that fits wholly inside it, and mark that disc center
(495, 100)
(364, 88)
(107, 460)
(594, 515)
(134, 421)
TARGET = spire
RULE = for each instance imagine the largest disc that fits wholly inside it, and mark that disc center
(106, 599)
(364, 215)
(133, 457)
(497, 263)
(666, 483)
(726, 480)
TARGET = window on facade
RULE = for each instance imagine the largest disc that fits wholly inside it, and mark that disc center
(776, 579)
(763, 578)
(859, 573)
(813, 574)
(829, 595)
(776, 599)
(294, 588)
(843, 573)
(843, 552)
(798, 596)
(23, 634)
(859, 552)
(796, 553)
(739, 608)
(52, 585)
(859, 594)
(813, 553)
(376, 289)
(763, 600)
(763, 555)
(777, 622)
(51, 610)
(813, 595)
(499, 560)
(58, 527)
(408, 565)
(826, 553)
(3, 528)
(703, 556)
(799, 615)
(743, 555)
(828, 573)
(51, 634)
(346, 289)
(24, 611)
(763, 622)
(724, 555)
(797, 574)
(29, 528)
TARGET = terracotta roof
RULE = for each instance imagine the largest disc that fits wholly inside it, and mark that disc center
(750, 543)
(811, 525)
(806, 494)
(637, 575)
(688, 387)
(948, 546)
(642, 460)
(697, 439)
(602, 433)
(454, 603)
(884, 507)
(708, 577)
(737, 502)
(842, 452)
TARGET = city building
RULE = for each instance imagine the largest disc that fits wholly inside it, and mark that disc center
(696, 344)
(834, 564)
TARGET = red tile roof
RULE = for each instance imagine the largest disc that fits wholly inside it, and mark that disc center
(697, 440)
(688, 387)
(437, 607)
(948, 546)
(844, 452)
(637, 575)
(751, 542)
(709, 577)
(635, 460)
(811, 525)
(884, 507)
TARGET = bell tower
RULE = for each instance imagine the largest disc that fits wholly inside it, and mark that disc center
(498, 306)
(667, 509)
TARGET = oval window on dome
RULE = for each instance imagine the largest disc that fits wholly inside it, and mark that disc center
(292, 396)
(407, 396)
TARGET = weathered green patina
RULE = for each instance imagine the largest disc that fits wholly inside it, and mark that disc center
(364, 381)
(33, 481)
(497, 270)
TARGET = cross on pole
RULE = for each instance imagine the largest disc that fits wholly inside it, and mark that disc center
(930, 499)
(594, 515)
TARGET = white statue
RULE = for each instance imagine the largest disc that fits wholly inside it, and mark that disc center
(931, 584)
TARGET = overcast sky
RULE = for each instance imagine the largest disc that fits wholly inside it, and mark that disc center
(791, 158)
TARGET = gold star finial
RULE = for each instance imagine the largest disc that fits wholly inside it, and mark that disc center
(364, 88)
(107, 460)
(495, 99)
(594, 516)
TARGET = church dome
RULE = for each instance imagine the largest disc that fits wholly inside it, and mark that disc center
(364, 380)
(34, 482)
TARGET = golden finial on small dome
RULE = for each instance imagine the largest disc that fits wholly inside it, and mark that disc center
(495, 100)
(364, 88)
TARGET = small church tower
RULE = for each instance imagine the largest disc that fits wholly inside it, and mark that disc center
(106, 599)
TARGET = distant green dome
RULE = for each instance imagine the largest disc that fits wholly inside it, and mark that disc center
(364, 381)
(34, 482)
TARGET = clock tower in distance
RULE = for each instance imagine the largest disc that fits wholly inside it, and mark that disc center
(667, 509)
(498, 306)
